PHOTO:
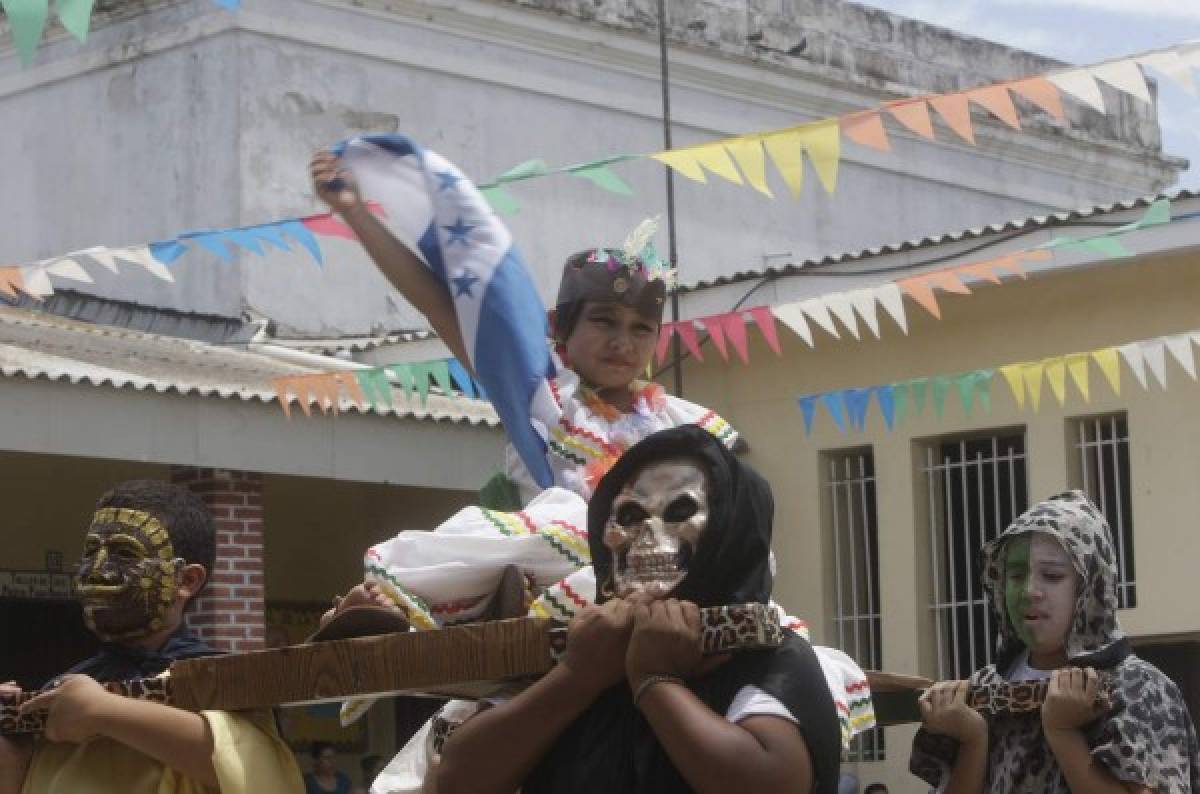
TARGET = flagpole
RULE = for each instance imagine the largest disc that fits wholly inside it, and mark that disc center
(673, 251)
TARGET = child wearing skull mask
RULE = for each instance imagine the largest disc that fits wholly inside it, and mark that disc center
(146, 556)
(678, 523)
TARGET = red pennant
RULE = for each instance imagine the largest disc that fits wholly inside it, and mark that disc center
(716, 333)
(766, 324)
(735, 329)
(687, 332)
(664, 342)
(328, 225)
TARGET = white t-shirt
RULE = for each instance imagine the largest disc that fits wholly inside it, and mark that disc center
(1021, 671)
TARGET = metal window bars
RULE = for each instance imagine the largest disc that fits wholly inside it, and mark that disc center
(976, 486)
(850, 493)
(1103, 447)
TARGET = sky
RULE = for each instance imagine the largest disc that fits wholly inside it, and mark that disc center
(1085, 31)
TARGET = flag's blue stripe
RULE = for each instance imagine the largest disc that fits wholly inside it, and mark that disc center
(511, 357)
(431, 248)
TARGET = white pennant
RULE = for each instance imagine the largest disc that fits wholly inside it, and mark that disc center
(863, 300)
(1132, 354)
(791, 315)
(841, 307)
(142, 256)
(1154, 352)
(36, 282)
(102, 255)
(1124, 75)
(818, 311)
(892, 300)
(1174, 66)
(1180, 346)
(1080, 84)
(69, 268)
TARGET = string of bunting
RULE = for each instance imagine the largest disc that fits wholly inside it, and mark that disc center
(849, 408)
(27, 20)
(372, 387)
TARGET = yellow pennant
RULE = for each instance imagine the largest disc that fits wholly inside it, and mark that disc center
(683, 161)
(1012, 374)
(788, 156)
(823, 142)
(1032, 374)
(1110, 364)
(752, 160)
(1056, 376)
(716, 159)
(1077, 365)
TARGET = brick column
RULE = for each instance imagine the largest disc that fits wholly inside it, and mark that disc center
(229, 613)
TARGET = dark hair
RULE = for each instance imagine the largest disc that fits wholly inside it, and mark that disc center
(877, 788)
(188, 521)
(368, 764)
(318, 748)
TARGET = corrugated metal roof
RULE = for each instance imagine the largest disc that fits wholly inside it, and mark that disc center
(36, 345)
(1015, 226)
(354, 344)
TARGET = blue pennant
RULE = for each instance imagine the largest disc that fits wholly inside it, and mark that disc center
(808, 407)
(459, 374)
(300, 233)
(887, 404)
(833, 401)
(857, 402)
(167, 251)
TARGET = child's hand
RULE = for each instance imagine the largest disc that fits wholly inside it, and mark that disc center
(1072, 699)
(944, 710)
(596, 643)
(666, 641)
(333, 184)
(74, 708)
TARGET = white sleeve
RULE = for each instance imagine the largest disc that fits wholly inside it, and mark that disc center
(750, 701)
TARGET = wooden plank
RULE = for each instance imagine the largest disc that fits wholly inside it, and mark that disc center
(469, 661)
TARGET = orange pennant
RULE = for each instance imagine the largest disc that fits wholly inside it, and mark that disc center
(353, 389)
(11, 280)
(985, 271)
(949, 282)
(283, 390)
(955, 110)
(997, 100)
(1042, 93)
(914, 114)
(1010, 262)
(866, 129)
(920, 290)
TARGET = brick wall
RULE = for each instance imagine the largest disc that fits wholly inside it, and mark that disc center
(229, 613)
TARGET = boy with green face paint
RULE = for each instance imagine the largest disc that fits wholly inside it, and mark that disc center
(1051, 578)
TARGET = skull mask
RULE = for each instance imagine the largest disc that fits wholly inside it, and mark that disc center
(655, 526)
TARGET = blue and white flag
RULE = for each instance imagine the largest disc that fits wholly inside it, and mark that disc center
(443, 218)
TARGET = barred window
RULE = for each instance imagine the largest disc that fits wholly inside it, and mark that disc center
(851, 516)
(975, 487)
(1102, 472)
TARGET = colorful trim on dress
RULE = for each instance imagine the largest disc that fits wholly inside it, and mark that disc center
(567, 540)
(714, 424)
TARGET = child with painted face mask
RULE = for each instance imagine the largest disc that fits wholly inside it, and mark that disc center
(1110, 722)
(146, 555)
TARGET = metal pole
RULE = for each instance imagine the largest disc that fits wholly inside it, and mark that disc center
(673, 251)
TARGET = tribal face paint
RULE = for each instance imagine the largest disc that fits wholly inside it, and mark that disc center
(126, 578)
(1040, 587)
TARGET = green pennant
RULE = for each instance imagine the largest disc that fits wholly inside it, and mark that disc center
(1109, 246)
(526, 170)
(421, 372)
(366, 383)
(382, 384)
(900, 394)
(603, 177)
(983, 383)
(941, 387)
(404, 374)
(75, 16)
(440, 370)
(27, 20)
(1157, 214)
(501, 200)
(918, 393)
(965, 386)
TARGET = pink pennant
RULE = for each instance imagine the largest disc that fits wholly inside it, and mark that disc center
(766, 324)
(914, 114)
(716, 333)
(330, 225)
(735, 329)
(866, 129)
(664, 342)
(687, 332)
(998, 102)
(1042, 93)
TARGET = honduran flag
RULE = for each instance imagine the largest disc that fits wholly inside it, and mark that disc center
(448, 223)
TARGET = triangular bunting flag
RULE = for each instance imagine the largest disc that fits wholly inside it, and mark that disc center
(863, 301)
(857, 401)
(983, 387)
(1077, 365)
(900, 397)
(300, 233)
(822, 141)
(1016, 383)
(716, 332)
(748, 153)
(11, 280)
(501, 201)
(735, 331)
(716, 159)
(1056, 376)
(1042, 93)
(1173, 66)
(403, 373)
(913, 114)
(816, 309)
(421, 371)
(833, 402)
(26, 20)
(866, 129)
(965, 386)
(1155, 355)
(956, 112)
(1132, 353)
(215, 241)
(283, 393)
(887, 404)
(1080, 84)
(69, 268)
(682, 161)
(1110, 366)
(687, 335)
(526, 170)
(787, 153)
(918, 386)
(980, 271)
(766, 326)
(1032, 374)
(603, 177)
(1180, 346)
(941, 387)
(919, 289)
(838, 304)
(354, 391)
(808, 407)
(998, 102)
(142, 256)
(791, 315)
(37, 282)
(1124, 75)
(440, 371)
(892, 300)
(950, 282)
(664, 342)
(461, 377)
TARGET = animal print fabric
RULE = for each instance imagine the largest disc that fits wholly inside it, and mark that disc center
(1147, 737)
(12, 722)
